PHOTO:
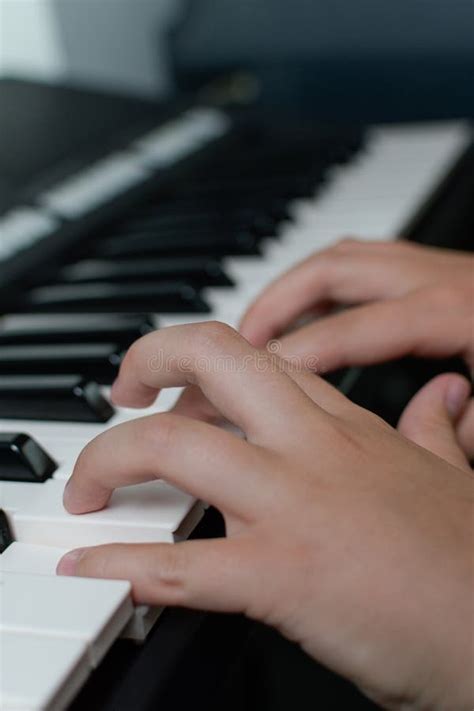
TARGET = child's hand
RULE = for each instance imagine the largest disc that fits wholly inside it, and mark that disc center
(344, 535)
(406, 299)
(415, 300)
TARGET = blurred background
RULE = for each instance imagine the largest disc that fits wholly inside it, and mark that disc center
(306, 52)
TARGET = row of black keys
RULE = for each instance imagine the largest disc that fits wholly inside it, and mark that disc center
(162, 252)
(155, 259)
(38, 361)
(141, 270)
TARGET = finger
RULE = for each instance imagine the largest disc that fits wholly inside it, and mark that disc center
(220, 575)
(465, 430)
(247, 386)
(192, 403)
(374, 333)
(430, 418)
(203, 460)
(348, 273)
(321, 392)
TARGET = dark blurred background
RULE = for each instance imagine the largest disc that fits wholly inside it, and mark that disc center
(415, 57)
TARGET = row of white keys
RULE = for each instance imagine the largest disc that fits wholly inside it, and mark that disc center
(154, 512)
(94, 611)
(53, 632)
(372, 198)
(150, 513)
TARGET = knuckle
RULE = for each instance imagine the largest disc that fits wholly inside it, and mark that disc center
(213, 335)
(167, 574)
(160, 431)
(371, 418)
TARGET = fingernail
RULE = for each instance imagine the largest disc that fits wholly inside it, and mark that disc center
(68, 563)
(456, 396)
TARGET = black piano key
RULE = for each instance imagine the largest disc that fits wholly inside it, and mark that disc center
(289, 187)
(94, 361)
(246, 211)
(167, 245)
(274, 173)
(31, 329)
(258, 224)
(55, 397)
(198, 271)
(22, 459)
(6, 536)
(162, 297)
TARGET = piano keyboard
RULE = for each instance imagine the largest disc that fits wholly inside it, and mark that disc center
(200, 248)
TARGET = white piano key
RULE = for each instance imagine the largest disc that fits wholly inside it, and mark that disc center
(31, 558)
(92, 187)
(172, 142)
(64, 471)
(22, 227)
(43, 560)
(53, 430)
(62, 450)
(147, 513)
(94, 611)
(373, 198)
(40, 673)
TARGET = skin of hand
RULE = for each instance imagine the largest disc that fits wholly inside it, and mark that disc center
(348, 537)
(405, 299)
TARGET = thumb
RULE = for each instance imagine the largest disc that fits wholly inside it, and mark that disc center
(430, 417)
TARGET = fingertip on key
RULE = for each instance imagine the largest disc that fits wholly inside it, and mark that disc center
(79, 499)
